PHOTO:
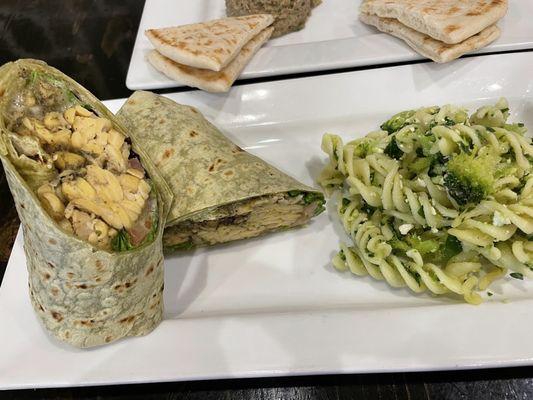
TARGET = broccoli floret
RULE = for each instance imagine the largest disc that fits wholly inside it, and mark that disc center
(367, 145)
(505, 169)
(420, 165)
(397, 122)
(434, 164)
(363, 148)
(423, 246)
(469, 178)
(414, 241)
(433, 249)
(426, 143)
(399, 245)
(462, 190)
(392, 150)
(438, 165)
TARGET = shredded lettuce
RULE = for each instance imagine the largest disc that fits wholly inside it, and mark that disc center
(122, 241)
(181, 246)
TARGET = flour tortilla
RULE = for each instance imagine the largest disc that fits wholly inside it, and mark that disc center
(205, 170)
(435, 50)
(209, 45)
(450, 21)
(204, 79)
(83, 296)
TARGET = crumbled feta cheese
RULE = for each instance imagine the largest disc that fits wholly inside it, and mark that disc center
(421, 182)
(434, 230)
(405, 228)
(499, 220)
(433, 211)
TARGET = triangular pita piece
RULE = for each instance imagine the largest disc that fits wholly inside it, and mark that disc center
(450, 21)
(209, 45)
(210, 81)
(436, 50)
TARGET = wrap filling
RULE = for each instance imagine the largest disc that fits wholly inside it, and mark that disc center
(245, 219)
(90, 181)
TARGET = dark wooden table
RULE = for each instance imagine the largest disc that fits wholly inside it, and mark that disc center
(92, 42)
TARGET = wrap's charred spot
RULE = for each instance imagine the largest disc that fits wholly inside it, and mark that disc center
(246, 219)
(96, 187)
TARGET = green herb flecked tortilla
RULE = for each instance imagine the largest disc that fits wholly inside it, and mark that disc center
(222, 193)
(83, 295)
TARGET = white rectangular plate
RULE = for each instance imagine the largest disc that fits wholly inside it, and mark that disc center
(332, 38)
(273, 305)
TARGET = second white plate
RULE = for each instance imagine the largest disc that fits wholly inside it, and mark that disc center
(274, 305)
(332, 38)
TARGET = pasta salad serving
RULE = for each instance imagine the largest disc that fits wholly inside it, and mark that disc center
(436, 200)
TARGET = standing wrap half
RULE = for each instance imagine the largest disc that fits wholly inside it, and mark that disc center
(92, 209)
(222, 193)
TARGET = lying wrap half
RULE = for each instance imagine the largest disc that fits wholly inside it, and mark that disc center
(84, 292)
(221, 192)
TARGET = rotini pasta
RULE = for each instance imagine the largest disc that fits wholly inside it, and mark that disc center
(436, 200)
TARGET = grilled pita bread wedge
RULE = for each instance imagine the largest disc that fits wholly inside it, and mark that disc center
(450, 21)
(436, 50)
(209, 45)
(210, 81)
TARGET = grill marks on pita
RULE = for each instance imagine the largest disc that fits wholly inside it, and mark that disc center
(440, 30)
(427, 46)
(210, 81)
(209, 55)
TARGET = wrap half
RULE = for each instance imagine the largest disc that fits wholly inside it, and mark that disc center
(222, 193)
(95, 271)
